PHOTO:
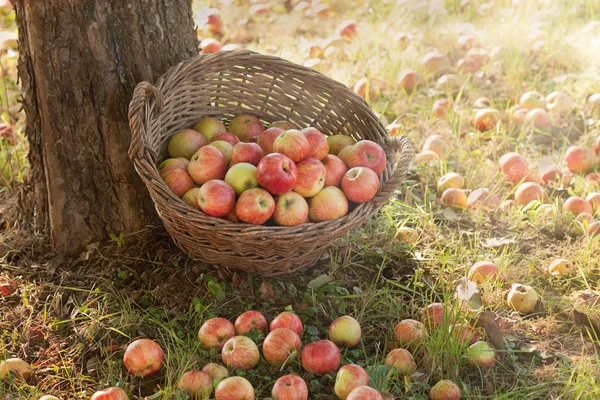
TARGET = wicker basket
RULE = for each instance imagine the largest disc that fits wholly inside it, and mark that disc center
(229, 83)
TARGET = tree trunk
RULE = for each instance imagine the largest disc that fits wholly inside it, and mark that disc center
(80, 61)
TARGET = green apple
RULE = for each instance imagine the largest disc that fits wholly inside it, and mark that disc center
(242, 177)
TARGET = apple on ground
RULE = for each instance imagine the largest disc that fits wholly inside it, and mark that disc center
(466, 65)
(482, 198)
(250, 320)
(466, 42)
(365, 153)
(338, 142)
(482, 271)
(402, 360)
(348, 378)
(277, 173)
(185, 143)
(580, 159)
(464, 333)
(197, 384)
(266, 138)
(440, 108)
(216, 371)
(209, 127)
(290, 209)
(481, 354)
(210, 45)
(427, 157)
(364, 393)
(517, 117)
(445, 390)
(594, 228)
(240, 352)
(16, 368)
(522, 298)
(434, 315)
(255, 206)
(191, 198)
(597, 146)
(585, 217)
(450, 180)
(409, 332)
(403, 40)
(250, 153)
(347, 29)
(288, 320)
(437, 144)
(448, 83)
(319, 147)
(561, 267)
(514, 167)
(320, 358)
(178, 180)
(330, 203)
(435, 62)
(366, 89)
(559, 103)
(234, 388)
(207, 163)
(576, 205)
(528, 192)
(49, 397)
(246, 127)
(112, 393)
(531, 100)
(227, 137)
(594, 200)
(454, 198)
(335, 169)
(143, 357)
(345, 331)
(242, 177)
(409, 80)
(311, 177)
(280, 345)
(215, 332)
(360, 184)
(486, 119)
(225, 147)
(216, 198)
(292, 144)
(290, 387)
(538, 118)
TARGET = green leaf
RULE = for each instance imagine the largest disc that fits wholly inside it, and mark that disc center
(379, 376)
(217, 290)
(319, 282)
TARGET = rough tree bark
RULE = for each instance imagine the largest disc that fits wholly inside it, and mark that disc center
(79, 63)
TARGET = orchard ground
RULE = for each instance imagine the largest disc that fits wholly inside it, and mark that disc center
(72, 319)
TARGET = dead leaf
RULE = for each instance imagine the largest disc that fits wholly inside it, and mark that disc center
(496, 242)
(586, 311)
(266, 290)
(235, 280)
(487, 321)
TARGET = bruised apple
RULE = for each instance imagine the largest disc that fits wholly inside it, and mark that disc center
(522, 298)
(15, 367)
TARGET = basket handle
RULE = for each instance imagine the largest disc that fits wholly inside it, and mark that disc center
(401, 144)
(138, 107)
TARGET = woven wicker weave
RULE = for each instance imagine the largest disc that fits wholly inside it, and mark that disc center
(226, 84)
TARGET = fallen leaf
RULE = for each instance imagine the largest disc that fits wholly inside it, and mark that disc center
(235, 280)
(487, 321)
(468, 294)
(266, 290)
(586, 311)
(319, 282)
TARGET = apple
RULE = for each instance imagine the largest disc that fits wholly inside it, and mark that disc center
(464, 333)
(547, 174)
(594, 228)
(197, 384)
(277, 173)
(255, 206)
(177, 179)
(338, 142)
(215, 332)
(311, 177)
(360, 184)
(207, 163)
(401, 360)
(594, 101)
(319, 148)
(250, 320)
(191, 198)
(407, 234)
(482, 271)
(320, 358)
(514, 167)
(345, 331)
(448, 83)
(517, 117)
(365, 154)
(561, 267)
(330, 203)
(49, 397)
(529, 191)
(454, 198)
(209, 127)
(481, 354)
(216, 198)
(427, 156)
(185, 143)
(210, 45)
(434, 315)
(435, 62)
(531, 100)
(227, 137)
(538, 118)
(143, 357)
(486, 119)
(251, 153)
(466, 42)
(290, 209)
(437, 144)
(225, 147)
(245, 127)
(593, 177)
(362, 85)
(576, 205)
(113, 393)
(348, 378)
(403, 40)
(335, 169)
(280, 345)
(283, 125)
(290, 387)
(478, 55)
(580, 159)
(559, 103)
(241, 177)
(450, 180)
(409, 332)
(364, 393)
(292, 144)
(445, 390)
(288, 320)
(240, 352)
(213, 21)
(468, 66)
(482, 198)
(594, 200)
(174, 163)
(267, 137)
(15, 367)
(234, 388)
(347, 29)
(522, 298)
(440, 108)
(409, 79)
(587, 217)
(597, 146)
(216, 371)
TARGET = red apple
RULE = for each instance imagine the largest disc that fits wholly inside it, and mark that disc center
(191, 198)
(250, 320)
(347, 29)
(454, 198)
(437, 144)
(580, 159)
(434, 316)
(174, 163)
(242, 177)
(338, 142)
(594, 228)
(277, 173)
(290, 209)
(364, 393)
(360, 88)
(16, 368)
(528, 192)
(225, 147)
(288, 320)
(445, 390)
(597, 146)
(360, 184)
(576, 205)
(330, 203)
(319, 147)
(348, 378)
(207, 163)
(250, 153)
(240, 352)
(320, 358)
(366, 154)
(210, 45)
(197, 384)
(335, 169)
(409, 332)
(216, 371)
(585, 217)
(266, 138)
(481, 354)
(311, 177)
(113, 393)
(185, 143)
(292, 144)
(531, 100)
(245, 127)
(486, 119)
(402, 360)
(440, 108)
(177, 179)
(435, 62)
(468, 66)
(209, 127)
(234, 388)
(143, 357)
(345, 331)
(482, 198)
(514, 167)
(594, 200)
(482, 271)
(215, 332)
(593, 176)
(227, 137)
(255, 206)
(216, 198)
(280, 345)
(464, 334)
(409, 79)
(538, 118)
(213, 20)
(290, 387)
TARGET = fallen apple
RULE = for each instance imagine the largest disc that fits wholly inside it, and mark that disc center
(348, 378)
(437, 144)
(559, 103)
(215, 332)
(113, 393)
(409, 80)
(448, 83)
(197, 384)
(402, 360)
(435, 62)
(366, 89)
(143, 357)
(482, 198)
(538, 118)
(594, 228)
(409, 332)
(464, 334)
(320, 358)
(281, 345)
(482, 271)
(561, 267)
(454, 198)
(288, 320)
(216, 371)
(594, 200)
(435, 315)
(16, 368)
(528, 192)
(514, 167)
(250, 320)
(486, 119)
(364, 393)
(522, 298)
(576, 205)
(481, 354)
(290, 387)
(234, 388)
(580, 159)
(450, 180)
(445, 390)
(240, 352)
(345, 331)
(531, 100)
(210, 45)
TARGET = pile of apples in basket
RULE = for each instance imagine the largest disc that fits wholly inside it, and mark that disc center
(280, 175)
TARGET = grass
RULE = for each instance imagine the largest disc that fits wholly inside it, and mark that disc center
(73, 318)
